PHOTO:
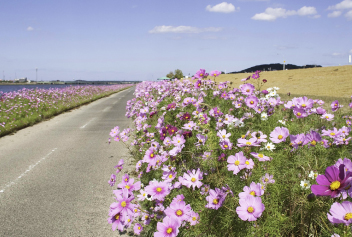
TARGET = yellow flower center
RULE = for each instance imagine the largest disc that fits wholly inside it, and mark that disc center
(143, 194)
(223, 136)
(179, 212)
(250, 209)
(260, 155)
(304, 105)
(128, 187)
(126, 179)
(247, 162)
(266, 179)
(123, 204)
(243, 136)
(248, 143)
(129, 220)
(172, 130)
(170, 176)
(225, 146)
(169, 230)
(152, 155)
(299, 114)
(252, 102)
(139, 227)
(332, 134)
(135, 210)
(280, 137)
(326, 117)
(313, 142)
(215, 201)
(214, 74)
(158, 190)
(237, 162)
(335, 185)
(252, 193)
(348, 216)
(305, 184)
(194, 218)
(117, 216)
(193, 180)
(247, 90)
(146, 217)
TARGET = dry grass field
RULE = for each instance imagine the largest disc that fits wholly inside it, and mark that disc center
(323, 81)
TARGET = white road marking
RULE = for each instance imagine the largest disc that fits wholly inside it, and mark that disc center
(87, 123)
(24, 173)
(107, 109)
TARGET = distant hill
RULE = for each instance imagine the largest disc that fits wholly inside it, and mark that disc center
(273, 67)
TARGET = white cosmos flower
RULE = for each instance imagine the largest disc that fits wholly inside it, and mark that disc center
(276, 88)
(264, 116)
(273, 93)
(269, 146)
(282, 122)
(305, 184)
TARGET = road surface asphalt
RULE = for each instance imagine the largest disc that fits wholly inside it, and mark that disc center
(54, 175)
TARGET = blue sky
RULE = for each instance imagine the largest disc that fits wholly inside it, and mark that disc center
(145, 39)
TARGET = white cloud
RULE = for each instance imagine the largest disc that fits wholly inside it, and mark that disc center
(337, 54)
(316, 16)
(223, 7)
(271, 14)
(351, 51)
(345, 4)
(304, 11)
(29, 28)
(348, 15)
(334, 14)
(182, 29)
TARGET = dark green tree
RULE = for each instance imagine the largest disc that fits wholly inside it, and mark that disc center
(170, 75)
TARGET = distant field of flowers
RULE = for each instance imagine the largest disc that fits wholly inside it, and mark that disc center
(215, 161)
(26, 107)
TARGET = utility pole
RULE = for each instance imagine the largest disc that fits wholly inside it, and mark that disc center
(284, 65)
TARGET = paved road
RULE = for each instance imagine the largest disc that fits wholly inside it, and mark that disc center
(54, 175)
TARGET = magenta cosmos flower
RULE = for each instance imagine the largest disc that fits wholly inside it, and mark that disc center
(179, 209)
(200, 74)
(332, 182)
(279, 134)
(150, 156)
(129, 185)
(193, 179)
(341, 213)
(254, 190)
(159, 190)
(168, 228)
(260, 156)
(119, 166)
(251, 208)
(215, 73)
(236, 162)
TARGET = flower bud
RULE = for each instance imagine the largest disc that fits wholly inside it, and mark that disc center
(311, 197)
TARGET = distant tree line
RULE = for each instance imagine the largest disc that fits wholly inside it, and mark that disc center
(177, 74)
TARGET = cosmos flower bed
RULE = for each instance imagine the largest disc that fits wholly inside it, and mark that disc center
(220, 161)
(25, 107)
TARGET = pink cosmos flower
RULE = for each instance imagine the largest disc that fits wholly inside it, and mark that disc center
(193, 179)
(215, 199)
(200, 74)
(179, 210)
(300, 113)
(260, 156)
(279, 134)
(328, 117)
(247, 89)
(116, 221)
(268, 179)
(178, 140)
(137, 228)
(249, 164)
(251, 208)
(150, 156)
(119, 166)
(251, 101)
(159, 190)
(251, 142)
(194, 218)
(236, 162)
(168, 228)
(112, 180)
(215, 73)
(123, 204)
(341, 213)
(226, 145)
(128, 184)
(224, 136)
(254, 190)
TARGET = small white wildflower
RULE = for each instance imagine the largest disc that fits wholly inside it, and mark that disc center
(305, 184)
(276, 88)
(313, 175)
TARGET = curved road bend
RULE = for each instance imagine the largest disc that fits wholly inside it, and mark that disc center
(54, 175)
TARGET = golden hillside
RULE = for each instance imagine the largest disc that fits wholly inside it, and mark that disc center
(324, 81)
